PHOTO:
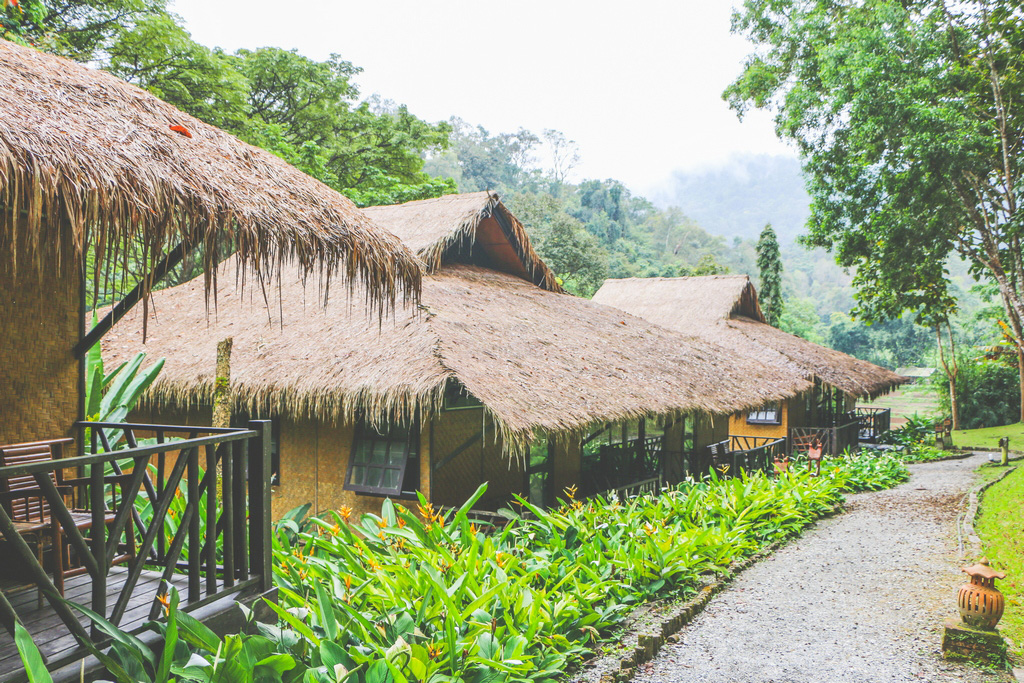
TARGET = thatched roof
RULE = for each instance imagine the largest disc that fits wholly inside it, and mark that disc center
(724, 308)
(466, 228)
(81, 151)
(536, 359)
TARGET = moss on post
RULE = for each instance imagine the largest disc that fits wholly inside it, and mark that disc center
(222, 385)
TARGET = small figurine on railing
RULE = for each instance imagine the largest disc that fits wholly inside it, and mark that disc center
(814, 456)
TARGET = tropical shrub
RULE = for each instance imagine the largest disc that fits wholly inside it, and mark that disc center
(865, 471)
(988, 393)
(921, 452)
(434, 598)
(398, 597)
(916, 430)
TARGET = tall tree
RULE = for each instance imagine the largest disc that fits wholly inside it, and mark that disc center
(906, 116)
(79, 29)
(769, 265)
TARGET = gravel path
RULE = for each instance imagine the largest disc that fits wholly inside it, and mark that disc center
(861, 597)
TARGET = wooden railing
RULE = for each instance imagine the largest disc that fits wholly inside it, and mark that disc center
(750, 454)
(215, 483)
(621, 464)
(638, 488)
(834, 440)
(873, 423)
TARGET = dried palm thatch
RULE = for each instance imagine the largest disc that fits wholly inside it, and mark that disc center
(724, 308)
(474, 227)
(536, 359)
(84, 153)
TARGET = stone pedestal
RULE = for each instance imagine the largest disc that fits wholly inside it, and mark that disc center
(960, 641)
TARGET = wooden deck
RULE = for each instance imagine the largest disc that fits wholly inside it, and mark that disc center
(52, 637)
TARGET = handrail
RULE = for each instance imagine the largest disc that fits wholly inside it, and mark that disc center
(141, 451)
(220, 479)
(651, 485)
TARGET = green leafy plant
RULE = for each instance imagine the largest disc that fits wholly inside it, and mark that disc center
(110, 397)
(35, 667)
(431, 597)
(865, 471)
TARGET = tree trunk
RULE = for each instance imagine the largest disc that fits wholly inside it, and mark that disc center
(950, 368)
(222, 385)
(953, 403)
(1020, 378)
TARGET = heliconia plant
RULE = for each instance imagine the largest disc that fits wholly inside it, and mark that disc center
(110, 397)
(432, 597)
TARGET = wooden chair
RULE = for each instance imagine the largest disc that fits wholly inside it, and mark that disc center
(29, 509)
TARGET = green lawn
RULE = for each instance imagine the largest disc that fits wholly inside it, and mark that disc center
(989, 437)
(907, 401)
(1001, 528)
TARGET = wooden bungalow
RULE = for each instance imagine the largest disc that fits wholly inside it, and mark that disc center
(498, 376)
(95, 172)
(724, 308)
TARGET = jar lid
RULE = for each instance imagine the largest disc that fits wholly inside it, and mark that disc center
(983, 571)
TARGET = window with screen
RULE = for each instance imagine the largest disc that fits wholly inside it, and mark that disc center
(768, 415)
(384, 461)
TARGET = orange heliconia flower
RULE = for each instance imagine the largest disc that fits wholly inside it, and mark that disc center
(165, 600)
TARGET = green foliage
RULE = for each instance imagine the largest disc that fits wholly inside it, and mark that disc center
(160, 56)
(915, 431)
(572, 252)
(800, 318)
(110, 397)
(890, 343)
(35, 666)
(78, 29)
(303, 110)
(901, 112)
(400, 597)
(922, 452)
(189, 651)
(769, 265)
(1001, 540)
(865, 471)
(435, 597)
(988, 393)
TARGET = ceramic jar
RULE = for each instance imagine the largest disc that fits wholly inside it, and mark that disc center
(980, 602)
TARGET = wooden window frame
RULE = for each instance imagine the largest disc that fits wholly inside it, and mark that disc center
(362, 431)
(777, 420)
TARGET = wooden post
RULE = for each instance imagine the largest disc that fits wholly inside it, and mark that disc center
(222, 385)
(260, 550)
(1004, 447)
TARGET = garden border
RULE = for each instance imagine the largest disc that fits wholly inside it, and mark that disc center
(650, 639)
(954, 456)
(965, 525)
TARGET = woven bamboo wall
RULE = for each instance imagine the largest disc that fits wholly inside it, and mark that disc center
(39, 325)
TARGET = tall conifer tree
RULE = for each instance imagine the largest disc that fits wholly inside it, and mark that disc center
(769, 263)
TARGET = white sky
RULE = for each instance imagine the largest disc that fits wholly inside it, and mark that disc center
(636, 84)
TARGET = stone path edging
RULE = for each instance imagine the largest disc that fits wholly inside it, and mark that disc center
(651, 640)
